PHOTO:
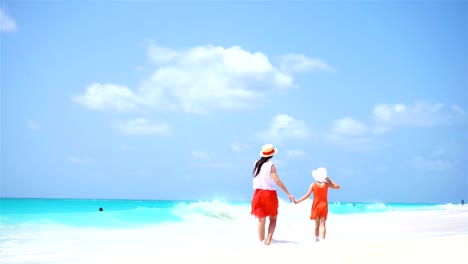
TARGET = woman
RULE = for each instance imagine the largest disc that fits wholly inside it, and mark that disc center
(265, 198)
(319, 211)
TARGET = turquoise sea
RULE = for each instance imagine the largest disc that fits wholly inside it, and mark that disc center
(135, 213)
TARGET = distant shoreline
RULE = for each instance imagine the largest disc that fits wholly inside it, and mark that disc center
(220, 200)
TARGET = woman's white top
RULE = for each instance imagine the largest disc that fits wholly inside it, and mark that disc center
(263, 180)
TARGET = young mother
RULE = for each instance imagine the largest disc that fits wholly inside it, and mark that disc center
(265, 198)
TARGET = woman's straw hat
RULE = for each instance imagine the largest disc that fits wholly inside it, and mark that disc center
(320, 174)
(268, 150)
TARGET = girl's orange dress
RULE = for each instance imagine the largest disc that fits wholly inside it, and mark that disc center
(320, 203)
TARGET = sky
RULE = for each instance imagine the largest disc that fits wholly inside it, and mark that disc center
(174, 99)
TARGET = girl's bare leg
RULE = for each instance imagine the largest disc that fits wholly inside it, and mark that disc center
(261, 228)
(323, 227)
(317, 228)
(271, 229)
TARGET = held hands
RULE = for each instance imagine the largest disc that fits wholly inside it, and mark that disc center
(292, 199)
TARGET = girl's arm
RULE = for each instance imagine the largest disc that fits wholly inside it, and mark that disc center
(309, 192)
(332, 185)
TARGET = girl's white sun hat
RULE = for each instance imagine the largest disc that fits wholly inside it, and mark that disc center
(320, 174)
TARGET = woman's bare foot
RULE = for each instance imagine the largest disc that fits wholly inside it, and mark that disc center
(268, 240)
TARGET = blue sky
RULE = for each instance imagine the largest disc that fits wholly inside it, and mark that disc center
(173, 100)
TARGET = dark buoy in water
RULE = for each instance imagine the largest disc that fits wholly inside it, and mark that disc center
(100, 209)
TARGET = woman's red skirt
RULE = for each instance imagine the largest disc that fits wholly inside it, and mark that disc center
(264, 203)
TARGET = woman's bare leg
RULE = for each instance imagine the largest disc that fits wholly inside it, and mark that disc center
(261, 228)
(271, 229)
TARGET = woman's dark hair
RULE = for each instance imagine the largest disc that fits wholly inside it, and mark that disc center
(259, 164)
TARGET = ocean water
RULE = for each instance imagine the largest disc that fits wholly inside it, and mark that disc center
(16, 212)
(58, 230)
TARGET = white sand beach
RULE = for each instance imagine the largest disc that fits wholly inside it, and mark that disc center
(392, 237)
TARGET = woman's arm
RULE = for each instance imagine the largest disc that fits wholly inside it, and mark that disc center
(309, 192)
(278, 182)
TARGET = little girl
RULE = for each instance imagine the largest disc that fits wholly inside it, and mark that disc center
(319, 211)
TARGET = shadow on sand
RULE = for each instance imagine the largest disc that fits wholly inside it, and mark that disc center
(276, 241)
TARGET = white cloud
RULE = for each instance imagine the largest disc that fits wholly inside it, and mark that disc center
(197, 80)
(296, 154)
(439, 158)
(302, 63)
(206, 159)
(7, 24)
(432, 164)
(109, 97)
(205, 78)
(379, 129)
(457, 110)
(387, 116)
(142, 126)
(238, 147)
(202, 155)
(350, 134)
(350, 142)
(161, 55)
(354, 135)
(33, 125)
(348, 126)
(284, 127)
